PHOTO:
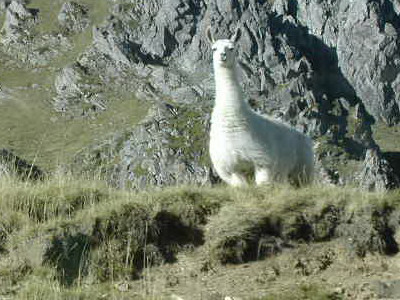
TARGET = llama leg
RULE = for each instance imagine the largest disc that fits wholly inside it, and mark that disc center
(262, 176)
(237, 180)
(306, 175)
(234, 179)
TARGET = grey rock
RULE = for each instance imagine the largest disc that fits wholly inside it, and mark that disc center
(4, 4)
(21, 42)
(167, 148)
(368, 55)
(151, 158)
(363, 33)
(172, 28)
(75, 95)
(377, 174)
(73, 17)
(305, 63)
(65, 82)
(17, 22)
(4, 93)
(111, 45)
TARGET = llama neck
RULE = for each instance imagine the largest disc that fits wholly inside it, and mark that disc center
(229, 96)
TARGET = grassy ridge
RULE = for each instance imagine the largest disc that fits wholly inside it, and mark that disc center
(78, 237)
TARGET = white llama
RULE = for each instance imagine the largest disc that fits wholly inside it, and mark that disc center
(244, 144)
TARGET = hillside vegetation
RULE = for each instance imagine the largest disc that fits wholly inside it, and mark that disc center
(121, 97)
(67, 238)
(29, 124)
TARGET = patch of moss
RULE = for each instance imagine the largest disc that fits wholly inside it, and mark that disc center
(140, 171)
(387, 137)
(327, 148)
(190, 134)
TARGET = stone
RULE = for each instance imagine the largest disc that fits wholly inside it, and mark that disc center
(310, 64)
(73, 17)
(377, 174)
(18, 20)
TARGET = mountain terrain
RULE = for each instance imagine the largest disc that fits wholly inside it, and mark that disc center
(126, 88)
(122, 91)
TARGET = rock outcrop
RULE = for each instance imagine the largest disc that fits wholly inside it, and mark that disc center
(329, 68)
(73, 17)
(378, 174)
(20, 40)
(17, 23)
(302, 62)
(4, 4)
(168, 148)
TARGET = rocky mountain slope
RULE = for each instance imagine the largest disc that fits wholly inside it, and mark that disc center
(329, 68)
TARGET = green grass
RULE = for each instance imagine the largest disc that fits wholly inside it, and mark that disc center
(388, 138)
(67, 210)
(78, 237)
(29, 125)
(41, 136)
(98, 11)
(236, 234)
(306, 292)
(48, 12)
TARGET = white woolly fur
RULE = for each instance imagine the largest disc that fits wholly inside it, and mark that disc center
(244, 144)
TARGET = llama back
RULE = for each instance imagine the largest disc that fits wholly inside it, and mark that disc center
(290, 150)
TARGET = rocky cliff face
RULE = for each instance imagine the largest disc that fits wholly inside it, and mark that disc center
(329, 68)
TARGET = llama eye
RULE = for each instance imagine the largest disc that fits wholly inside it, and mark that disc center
(213, 48)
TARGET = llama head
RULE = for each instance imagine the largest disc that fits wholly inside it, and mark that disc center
(223, 49)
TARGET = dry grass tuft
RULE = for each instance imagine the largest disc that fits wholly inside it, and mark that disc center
(73, 236)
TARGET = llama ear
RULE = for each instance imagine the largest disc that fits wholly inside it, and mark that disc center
(235, 37)
(209, 35)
